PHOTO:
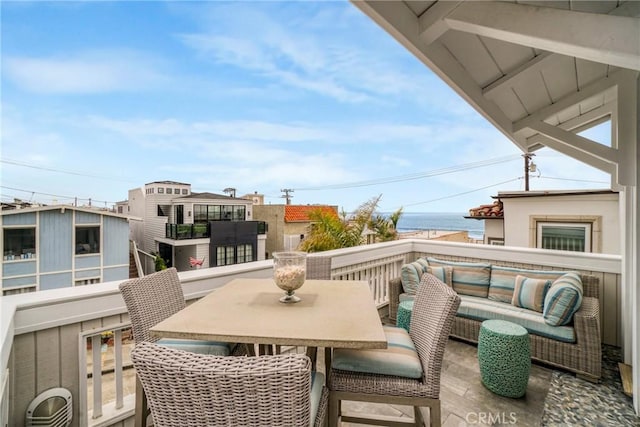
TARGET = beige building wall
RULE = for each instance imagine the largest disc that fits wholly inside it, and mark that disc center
(493, 231)
(521, 215)
(273, 215)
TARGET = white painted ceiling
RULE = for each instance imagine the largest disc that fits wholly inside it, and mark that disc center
(540, 71)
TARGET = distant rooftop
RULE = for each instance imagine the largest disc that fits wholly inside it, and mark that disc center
(293, 213)
(492, 211)
(168, 182)
(543, 193)
(207, 195)
(88, 209)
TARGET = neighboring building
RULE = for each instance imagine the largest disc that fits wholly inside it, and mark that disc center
(574, 220)
(256, 199)
(184, 227)
(58, 246)
(288, 224)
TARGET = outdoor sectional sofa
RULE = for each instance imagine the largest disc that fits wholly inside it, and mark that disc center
(575, 346)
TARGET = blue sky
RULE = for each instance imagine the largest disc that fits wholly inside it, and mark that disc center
(102, 97)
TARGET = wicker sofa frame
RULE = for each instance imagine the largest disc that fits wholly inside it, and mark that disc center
(584, 357)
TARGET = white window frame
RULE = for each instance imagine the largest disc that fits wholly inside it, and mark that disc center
(588, 231)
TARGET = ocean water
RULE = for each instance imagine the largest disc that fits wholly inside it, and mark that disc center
(422, 221)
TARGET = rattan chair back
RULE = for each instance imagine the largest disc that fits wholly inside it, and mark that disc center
(186, 389)
(151, 299)
(432, 317)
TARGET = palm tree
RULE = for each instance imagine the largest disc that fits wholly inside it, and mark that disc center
(330, 231)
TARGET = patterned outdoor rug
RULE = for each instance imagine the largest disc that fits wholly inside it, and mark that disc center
(575, 402)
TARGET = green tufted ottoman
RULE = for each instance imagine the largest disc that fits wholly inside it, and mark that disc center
(504, 354)
(403, 317)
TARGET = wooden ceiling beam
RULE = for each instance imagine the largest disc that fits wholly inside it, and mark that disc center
(431, 23)
(572, 99)
(594, 37)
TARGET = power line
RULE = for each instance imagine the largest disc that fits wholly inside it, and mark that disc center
(26, 165)
(414, 176)
(465, 192)
(573, 179)
(57, 195)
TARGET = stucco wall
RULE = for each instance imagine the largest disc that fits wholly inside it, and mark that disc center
(493, 229)
(273, 215)
(520, 230)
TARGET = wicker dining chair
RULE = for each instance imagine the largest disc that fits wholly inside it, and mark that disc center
(188, 389)
(433, 312)
(318, 267)
(150, 300)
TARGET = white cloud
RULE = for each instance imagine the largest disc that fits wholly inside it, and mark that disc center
(83, 73)
(303, 54)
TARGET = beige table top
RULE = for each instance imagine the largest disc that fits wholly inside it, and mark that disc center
(332, 313)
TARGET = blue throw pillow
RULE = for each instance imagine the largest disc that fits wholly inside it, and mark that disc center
(563, 300)
(410, 275)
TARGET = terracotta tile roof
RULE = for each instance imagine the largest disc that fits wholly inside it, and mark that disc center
(494, 210)
(293, 213)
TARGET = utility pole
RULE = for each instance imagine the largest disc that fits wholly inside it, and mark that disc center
(287, 194)
(527, 168)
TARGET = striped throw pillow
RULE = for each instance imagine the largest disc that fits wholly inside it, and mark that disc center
(503, 280)
(400, 358)
(563, 300)
(529, 293)
(444, 273)
(410, 275)
(469, 278)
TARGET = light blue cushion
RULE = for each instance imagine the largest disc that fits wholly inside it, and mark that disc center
(563, 300)
(317, 382)
(400, 358)
(503, 280)
(406, 297)
(529, 293)
(469, 278)
(443, 273)
(477, 308)
(411, 273)
(197, 346)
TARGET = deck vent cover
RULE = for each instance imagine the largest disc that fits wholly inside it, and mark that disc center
(51, 408)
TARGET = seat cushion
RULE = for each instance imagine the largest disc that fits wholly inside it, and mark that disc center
(503, 280)
(485, 309)
(529, 293)
(563, 300)
(410, 275)
(400, 358)
(469, 278)
(197, 346)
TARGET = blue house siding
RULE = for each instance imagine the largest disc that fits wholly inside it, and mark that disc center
(55, 281)
(84, 274)
(56, 240)
(18, 268)
(115, 273)
(87, 261)
(87, 218)
(20, 219)
(56, 264)
(116, 241)
(18, 281)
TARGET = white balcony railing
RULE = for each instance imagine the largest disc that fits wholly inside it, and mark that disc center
(40, 330)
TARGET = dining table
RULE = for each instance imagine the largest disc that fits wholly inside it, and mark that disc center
(330, 314)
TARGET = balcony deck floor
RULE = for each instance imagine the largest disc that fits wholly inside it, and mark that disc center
(466, 402)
